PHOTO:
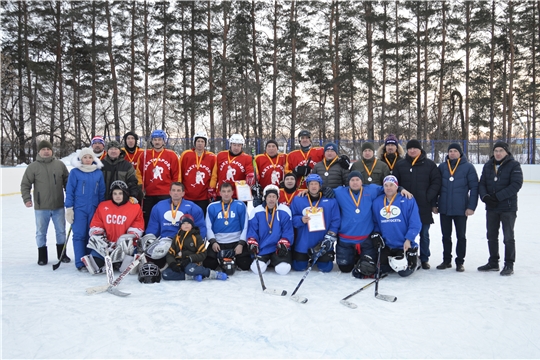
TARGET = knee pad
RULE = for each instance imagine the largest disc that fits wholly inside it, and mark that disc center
(326, 266)
(282, 268)
(262, 265)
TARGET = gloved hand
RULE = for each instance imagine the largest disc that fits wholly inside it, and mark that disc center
(253, 245)
(185, 262)
(377, 240)
(344, 162)
(328, 192)
(212, 194)
(98, 243)
(412, 257)
(490, 200)
(302, 170)
(127, 243)
(70, 215)
(175, 267)
(250, 179)
(257, 201)
(133, 200)
(282, 247)
(328, 241)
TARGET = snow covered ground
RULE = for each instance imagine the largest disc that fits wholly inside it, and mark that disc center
(438, 314)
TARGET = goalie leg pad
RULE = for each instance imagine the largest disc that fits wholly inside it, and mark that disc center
(90, 263)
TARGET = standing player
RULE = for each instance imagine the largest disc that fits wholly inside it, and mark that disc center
(372, 170)
(297, 160)
(98, 147)
(270, 165)
(391, 152)
(196, 166)
(233, 165)
(132, 151)
(157, 169)
(333, 170)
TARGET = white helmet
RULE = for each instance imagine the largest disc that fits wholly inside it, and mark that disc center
(200, 135)
(270, 189)
(398, 263)
(237, 139)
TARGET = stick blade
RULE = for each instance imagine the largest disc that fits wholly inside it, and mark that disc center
(299, 299)
(115, 291)
(388, 298)
(97, 289)
(56, 266)
(348, 304)
(275, 292)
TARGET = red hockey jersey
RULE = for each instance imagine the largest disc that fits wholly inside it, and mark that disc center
(118, 220)
(298, 157)
(133, 158)
(270, 171)
(230, 168)
(196, 173)
(159, 171)
(286, 199)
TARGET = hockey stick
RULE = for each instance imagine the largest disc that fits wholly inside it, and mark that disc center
(297, 298)
(258, 196)
(118, 280)
(110, 277)
(353, 305)
(64, 249)
(265, 290)
(144, 172)
(389, 298)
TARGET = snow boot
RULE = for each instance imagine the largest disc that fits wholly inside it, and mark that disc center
(42, 256)
(217, 275)
(489, 267)
(507, 270)
(425, 265)
(59, 248)
(444, 265)
(460, 268)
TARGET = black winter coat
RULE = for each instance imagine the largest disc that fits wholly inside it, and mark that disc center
(460, 194)
(423, 180)
(509, 182)
(119, 169)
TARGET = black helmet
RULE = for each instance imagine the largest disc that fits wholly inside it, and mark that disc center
(149, 273)
(226, 261)
(119, 184)
(304, 133)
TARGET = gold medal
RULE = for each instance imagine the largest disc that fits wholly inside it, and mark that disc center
(357, 211)
(226, 222)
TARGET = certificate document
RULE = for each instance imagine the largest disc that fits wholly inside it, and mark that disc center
(316, 219)
(243, 191)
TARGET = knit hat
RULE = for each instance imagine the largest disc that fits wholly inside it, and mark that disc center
(132, 134)
(455, 146)
(355, 173)
(391, 139)
(271, 142)
(290, 174)
(331, 146)
(97, 140)
(414, 144)
(113, 144)
(187, 218)
(86, 151)
(368, 145)
(501, 144)
(392, 179)
(44, 144)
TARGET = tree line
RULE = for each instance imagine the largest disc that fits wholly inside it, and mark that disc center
(353, 70)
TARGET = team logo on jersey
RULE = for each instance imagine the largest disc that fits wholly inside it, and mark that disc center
(394, 212)
(157, 171)
(231, 215)
(230, 173)
(275, 177)
(199, 178)
(173, 220)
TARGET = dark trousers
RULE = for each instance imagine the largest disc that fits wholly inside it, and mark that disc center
(460, 223)
(424, 243)
(493, 221)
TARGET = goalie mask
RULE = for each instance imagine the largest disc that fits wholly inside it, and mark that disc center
(149, 273)
(119, 185)
(398, 263)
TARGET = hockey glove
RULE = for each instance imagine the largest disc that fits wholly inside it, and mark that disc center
(302, 170)
(98, 243)
(344, 162)
(185, 262)
(127, 243)
(212, 194)
(175, 267)
(257, 201)
(490, 200)
(250, 179)
(70, 215)
(412, 258)
(328, 241)
(282, 247)
(328, 192)
(377, 240)
(133, 200)
(253, 245)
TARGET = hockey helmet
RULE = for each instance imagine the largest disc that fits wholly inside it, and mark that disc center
(270, 189)
(158, 133)
(314, 177)
(200, 135)
(304, 133)
(398, 263)
(237, 139)
(119, 184)
(149, 273)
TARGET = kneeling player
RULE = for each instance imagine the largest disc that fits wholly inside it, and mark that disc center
(270, 233)
(398, 222)
(187, 253)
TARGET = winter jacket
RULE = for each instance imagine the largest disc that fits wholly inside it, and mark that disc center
(49, 177)
(423, 180)
(85, 187)
(389, 160)
(119, 169)
(456, 196)
(380, 171)
(337, 176)
(184, 245)
(505, 189)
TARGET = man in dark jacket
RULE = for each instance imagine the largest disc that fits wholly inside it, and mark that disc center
(333, 170)
(419, 175)
(49, 178)
(372, 169)
(115, 167)
(457, 200)
(500, 182)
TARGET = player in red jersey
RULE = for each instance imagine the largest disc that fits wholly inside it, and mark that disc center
(132, 151)
(196, 166)
(288, 189)
(270, 165)
(297, 160)
(233, 165)
(157, 169)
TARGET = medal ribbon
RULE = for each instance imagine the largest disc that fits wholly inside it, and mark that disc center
(130, 158)
(311, 204)
(273, 214)
(226, 213)
(288, 199)
(333, 161)
(229, 158)
(390, 204)
(357, 203)
(182, 242)
(452, 171)
(271, 162)
(198, 159)
(372, 167)
(391, 166)
(175, 210)
(414, 161)
(155, 161)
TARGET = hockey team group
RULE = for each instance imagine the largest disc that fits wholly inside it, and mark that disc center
(162, 216)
